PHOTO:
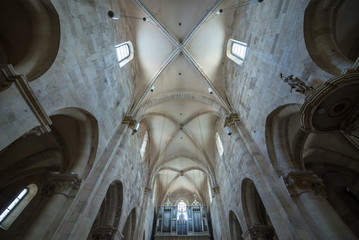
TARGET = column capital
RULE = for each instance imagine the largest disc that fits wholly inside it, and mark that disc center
(231, 119)
(148, 192)
(104, 232)
(215, 190)
(66, 184)
(258, 231)
(298, 182)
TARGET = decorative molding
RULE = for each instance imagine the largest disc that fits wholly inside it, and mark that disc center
(148, 192)
(129, 121)
(298, 182)
(258, 231)
(231, 119)
(8, 76)
(215, 190)
(65, 184)
(104, 233)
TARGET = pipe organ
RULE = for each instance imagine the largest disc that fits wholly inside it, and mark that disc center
(182, 222)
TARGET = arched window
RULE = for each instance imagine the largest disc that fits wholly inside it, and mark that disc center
(124, 52)
(182, 210)
(143, 146)
(13, 210)
(236, 51)
(219, 145)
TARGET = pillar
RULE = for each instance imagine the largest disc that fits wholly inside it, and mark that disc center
(308, 191)
(59, 189)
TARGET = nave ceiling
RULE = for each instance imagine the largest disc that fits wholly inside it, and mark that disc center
(181, 50)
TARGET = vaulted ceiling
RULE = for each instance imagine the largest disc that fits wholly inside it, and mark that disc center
(181, 50)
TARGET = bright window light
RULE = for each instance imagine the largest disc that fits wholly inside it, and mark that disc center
(239, 49)
(13, 204)
(219, 145)
(182, 210)
(236, 51)
(124, 52)
(143, 146)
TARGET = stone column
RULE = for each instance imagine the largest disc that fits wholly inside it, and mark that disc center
(60, 187)
(259, 232)
(308, 191)
(142, 220)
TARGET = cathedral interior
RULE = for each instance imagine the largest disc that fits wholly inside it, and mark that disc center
(163, 119)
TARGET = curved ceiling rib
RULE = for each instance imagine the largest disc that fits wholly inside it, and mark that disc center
(181, 63)
(185, 96)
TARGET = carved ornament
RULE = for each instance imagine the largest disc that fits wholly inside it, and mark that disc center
(65, 184)
(231, 119)
(258, 231)
(298, 182)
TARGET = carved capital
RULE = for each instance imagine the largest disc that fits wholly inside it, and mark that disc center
(259, 232)
(231, 119)
(65, 184)
(298, 182)
(215, 190)
(148, 192)
(129, 121)
(103, 232)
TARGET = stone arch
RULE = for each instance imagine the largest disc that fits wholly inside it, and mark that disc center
(284, 138)
(29, 36)
(254, 211)
(79, 133)
(70, 147)
(130, 225)
(326, 41)
(235, 227)
(108, 217)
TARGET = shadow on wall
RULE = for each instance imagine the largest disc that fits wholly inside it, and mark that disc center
(29, 36)
(331, 32)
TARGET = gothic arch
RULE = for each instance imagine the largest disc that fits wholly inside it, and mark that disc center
(324, 42)
(130, 226)
(108, 217)
(235, 227)
(79, 130)
(255, 213)
(29, 36)
(284, 138)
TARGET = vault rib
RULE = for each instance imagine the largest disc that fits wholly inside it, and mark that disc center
(208, 80)
(154, 79)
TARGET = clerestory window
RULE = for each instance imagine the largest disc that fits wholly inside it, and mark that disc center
(124, 52)
(219, 145)
(143, 146)
(236, 51)
(13, 210)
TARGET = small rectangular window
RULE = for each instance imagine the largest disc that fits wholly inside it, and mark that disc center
(239, 49)
(123, 52)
